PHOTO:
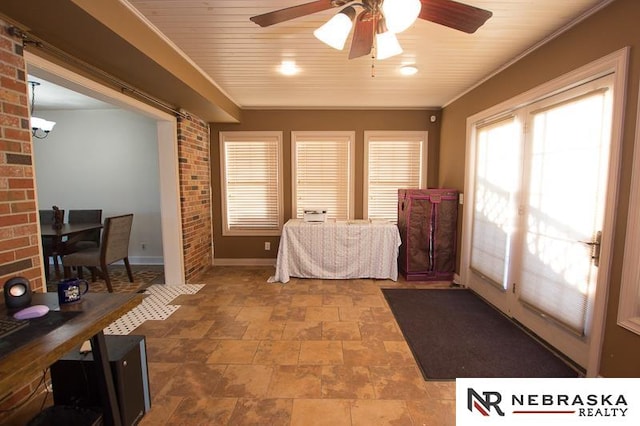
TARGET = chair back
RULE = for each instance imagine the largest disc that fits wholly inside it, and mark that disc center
(87, 216)
(115, 238)
(47, 216)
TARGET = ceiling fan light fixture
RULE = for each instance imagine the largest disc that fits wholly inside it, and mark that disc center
(336, 30)
(400, 14)
(386, 42)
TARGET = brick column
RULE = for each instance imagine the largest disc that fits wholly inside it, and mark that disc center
(19, 250)
(195, 195)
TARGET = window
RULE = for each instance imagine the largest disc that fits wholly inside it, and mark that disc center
(251, 182)
(393, 160)
(322, 173)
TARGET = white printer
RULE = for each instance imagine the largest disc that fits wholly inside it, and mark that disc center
(315, 215)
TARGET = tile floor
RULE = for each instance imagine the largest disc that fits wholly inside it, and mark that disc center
(242, 351)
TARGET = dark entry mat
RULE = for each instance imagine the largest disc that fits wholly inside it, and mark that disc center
(454, 333)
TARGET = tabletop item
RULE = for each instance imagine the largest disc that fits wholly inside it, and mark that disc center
(70, 290)
(35, 311)
(17, 293)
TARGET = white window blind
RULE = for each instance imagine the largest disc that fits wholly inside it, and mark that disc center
(323, 173)
(497, 178)
(393, 160)
(251, 180)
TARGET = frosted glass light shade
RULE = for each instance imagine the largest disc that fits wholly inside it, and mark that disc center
(387, 45)
(336, 30)
(400, 14)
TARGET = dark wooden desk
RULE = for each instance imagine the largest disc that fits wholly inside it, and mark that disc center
(72, 231)
(98, 310)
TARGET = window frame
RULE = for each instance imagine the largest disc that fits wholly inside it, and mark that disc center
(629, 302)
(240, 136)
(349, 137)
(398, 137)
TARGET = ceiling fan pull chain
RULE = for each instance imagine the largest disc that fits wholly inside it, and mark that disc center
(373, 62)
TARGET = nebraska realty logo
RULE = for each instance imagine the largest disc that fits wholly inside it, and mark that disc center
(552, 401)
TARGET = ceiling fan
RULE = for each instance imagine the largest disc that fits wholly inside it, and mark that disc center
(379, 20)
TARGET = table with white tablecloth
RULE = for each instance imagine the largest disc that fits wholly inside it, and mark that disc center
(338, 250)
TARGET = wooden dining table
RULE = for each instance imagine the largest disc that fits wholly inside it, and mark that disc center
(64, 237)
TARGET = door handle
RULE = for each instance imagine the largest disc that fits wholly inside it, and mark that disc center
(595, 248)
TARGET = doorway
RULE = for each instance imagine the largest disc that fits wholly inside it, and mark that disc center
(171, 227)
(537, 230)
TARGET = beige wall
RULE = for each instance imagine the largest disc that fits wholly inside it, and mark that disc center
(291, 120)
(613, 28)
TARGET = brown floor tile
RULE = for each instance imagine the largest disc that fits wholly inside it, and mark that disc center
(322, 313)
(272, 412)
(314, 352)
(195, 380)
(433, 412)
(320, 412)
(258, 330)
(278, 352)
(242, 351)
(398, 383)
(346, 382)
(233, 352)
(203, 411)
(302, 330)
(369, 412)
(340, 330)
(246, 381)
(294, 381)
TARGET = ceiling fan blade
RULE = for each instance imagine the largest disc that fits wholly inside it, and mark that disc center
(454, 15)
(277, 16)
(362, 40)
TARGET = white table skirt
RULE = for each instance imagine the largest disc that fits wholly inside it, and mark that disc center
(338, 250)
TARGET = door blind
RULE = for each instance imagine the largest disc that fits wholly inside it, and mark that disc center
(567, 177)
(497, 176)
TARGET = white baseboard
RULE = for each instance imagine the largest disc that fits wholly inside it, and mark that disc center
(145, 260)
(244, 262)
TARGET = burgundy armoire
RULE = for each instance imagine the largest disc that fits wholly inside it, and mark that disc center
(427, 220)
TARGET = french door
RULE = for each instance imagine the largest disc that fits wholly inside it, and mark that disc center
(539, 188)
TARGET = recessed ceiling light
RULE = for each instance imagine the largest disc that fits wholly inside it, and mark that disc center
(408, 70)
(289, 68)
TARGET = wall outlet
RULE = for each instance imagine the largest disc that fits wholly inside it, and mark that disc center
(267, 245)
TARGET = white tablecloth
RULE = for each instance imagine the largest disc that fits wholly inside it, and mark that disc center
(338, 250)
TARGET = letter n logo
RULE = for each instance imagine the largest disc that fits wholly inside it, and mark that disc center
(484, 403)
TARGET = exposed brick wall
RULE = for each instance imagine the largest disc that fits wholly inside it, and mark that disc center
(19, 250)
(195, 195)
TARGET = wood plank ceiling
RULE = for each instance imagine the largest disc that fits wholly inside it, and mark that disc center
(243, 58)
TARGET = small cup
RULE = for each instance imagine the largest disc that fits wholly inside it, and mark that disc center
(70, 290)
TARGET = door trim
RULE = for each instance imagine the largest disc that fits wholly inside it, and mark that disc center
(171, 217)
(615, 63)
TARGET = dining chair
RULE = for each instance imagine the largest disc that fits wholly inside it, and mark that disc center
(114, 246)
(50, 248)
(90, 239)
